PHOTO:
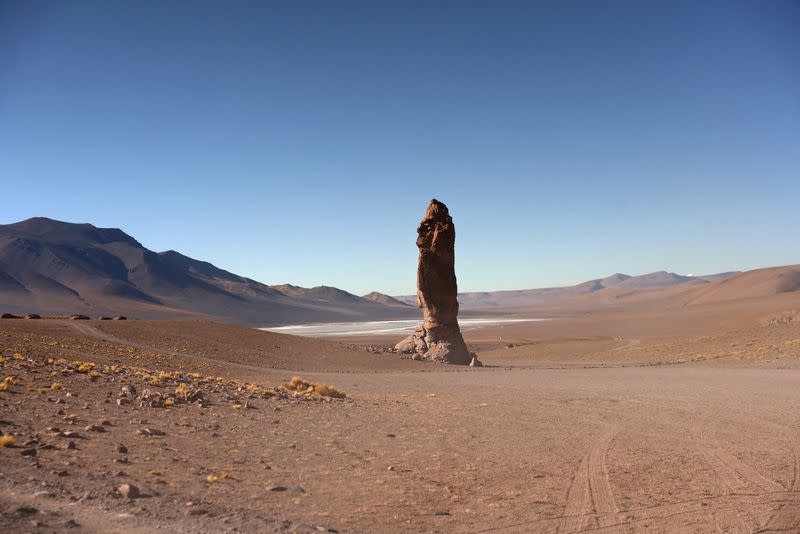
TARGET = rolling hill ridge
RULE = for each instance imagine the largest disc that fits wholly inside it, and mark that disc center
(55, 267)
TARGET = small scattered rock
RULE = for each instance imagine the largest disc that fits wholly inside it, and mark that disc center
(28, 452)
(128, 491)
(71, 446)
(94, 428)
(151, 432)
(276, 488)
(122, 449)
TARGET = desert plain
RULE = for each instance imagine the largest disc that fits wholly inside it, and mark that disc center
(639, 414)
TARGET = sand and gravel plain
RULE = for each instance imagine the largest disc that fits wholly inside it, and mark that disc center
(631, 421)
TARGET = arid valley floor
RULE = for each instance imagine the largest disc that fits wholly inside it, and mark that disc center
(642, 419)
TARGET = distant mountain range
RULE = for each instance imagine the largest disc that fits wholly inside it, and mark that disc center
(530, 297)
(54, 267)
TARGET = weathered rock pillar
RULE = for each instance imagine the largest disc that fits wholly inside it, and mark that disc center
(439, 337)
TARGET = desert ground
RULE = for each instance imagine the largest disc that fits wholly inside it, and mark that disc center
(638, 419)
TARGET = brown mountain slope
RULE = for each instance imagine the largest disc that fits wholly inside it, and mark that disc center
(752, 284)
(761, 290)
(384, 299)
(55, 267)
(611, 288)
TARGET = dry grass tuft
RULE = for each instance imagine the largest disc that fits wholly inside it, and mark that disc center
(303, 388)
(6, 441)
(85, 367)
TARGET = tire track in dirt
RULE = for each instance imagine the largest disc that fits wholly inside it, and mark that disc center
(725, 506)
(787, 517)
(732, 484)
(590, 495)
(579, 500)
(739, 479)
(652, 517)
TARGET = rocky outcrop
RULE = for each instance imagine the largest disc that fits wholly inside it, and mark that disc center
(439, 337)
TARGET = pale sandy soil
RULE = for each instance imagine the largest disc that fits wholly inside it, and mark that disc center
(607, 423)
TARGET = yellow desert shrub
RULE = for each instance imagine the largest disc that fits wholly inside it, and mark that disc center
(6, 441)
(304, 388)
(85, 367)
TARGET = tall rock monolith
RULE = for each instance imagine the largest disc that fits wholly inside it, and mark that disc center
(439, 337)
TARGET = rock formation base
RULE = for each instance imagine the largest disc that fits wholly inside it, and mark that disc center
(443, 344)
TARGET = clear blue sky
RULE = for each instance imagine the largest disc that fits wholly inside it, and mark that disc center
(300, 141)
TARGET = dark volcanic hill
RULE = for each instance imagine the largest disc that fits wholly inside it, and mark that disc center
(55, 267)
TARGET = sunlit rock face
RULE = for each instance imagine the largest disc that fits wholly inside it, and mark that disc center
(439, 338)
